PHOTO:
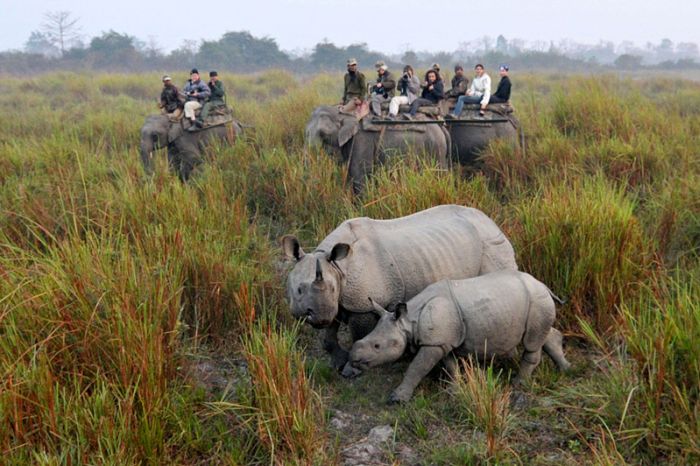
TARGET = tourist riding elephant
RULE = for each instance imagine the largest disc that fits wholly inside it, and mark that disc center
(184, 147)
(352, 142)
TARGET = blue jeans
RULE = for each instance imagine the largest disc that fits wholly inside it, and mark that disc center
(465, 99)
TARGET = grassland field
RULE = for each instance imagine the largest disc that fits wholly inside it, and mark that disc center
(143, 321)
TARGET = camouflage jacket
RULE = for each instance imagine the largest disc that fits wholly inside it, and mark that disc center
(170, 98)
(459, 86)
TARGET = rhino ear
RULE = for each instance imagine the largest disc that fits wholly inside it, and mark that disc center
(339, 252)
(291, 247)
(347, 130)
(400, 310)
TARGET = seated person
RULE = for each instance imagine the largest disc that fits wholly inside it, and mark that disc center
(355, 88)
(502, 94)
(433, 92)
(170, 99)
(459, 83)
(383, 90)
(409, 85)
(478, 93)
(196, 93)
(217, 98)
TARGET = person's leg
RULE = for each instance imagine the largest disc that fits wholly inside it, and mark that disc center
(350, 106)
(395, 103)
(205, 111)
(417, 103)
(459, 106)
(375, 104)
(190, 108)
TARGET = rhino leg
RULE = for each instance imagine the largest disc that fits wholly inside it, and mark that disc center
(339, 357)
(450, 363)
(422, 364)
(529, 361)
(554, 348)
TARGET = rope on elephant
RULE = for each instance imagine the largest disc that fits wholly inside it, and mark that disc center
(378, 146)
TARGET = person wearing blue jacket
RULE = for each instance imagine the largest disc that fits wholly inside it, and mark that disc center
(196, 92)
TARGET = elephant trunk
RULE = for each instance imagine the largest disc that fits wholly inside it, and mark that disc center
(147, 148)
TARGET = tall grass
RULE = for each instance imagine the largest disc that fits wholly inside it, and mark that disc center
(111, 281)
(482, 401)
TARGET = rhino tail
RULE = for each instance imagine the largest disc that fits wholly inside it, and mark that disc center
(556, 298)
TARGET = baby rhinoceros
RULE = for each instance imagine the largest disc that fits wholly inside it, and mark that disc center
(488, 316)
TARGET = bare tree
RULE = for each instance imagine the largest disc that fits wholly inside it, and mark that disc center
(61, 29)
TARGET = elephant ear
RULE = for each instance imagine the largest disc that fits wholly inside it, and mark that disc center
(348, 129)
(174, 132)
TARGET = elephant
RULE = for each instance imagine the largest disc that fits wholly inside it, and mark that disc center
(361, 143)
(184, 147)
(471, 133)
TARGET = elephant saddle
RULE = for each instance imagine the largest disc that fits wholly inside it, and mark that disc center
(400, 125)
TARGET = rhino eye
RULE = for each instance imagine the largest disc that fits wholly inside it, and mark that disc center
(299, 290)
(376, 346)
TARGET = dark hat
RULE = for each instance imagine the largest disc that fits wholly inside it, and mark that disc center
(194, 70)
(213, 73)
(459, 67)
(504, 67)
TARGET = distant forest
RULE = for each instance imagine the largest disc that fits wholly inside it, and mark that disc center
(59, 46)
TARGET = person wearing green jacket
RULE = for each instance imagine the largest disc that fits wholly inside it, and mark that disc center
(217, 98)
(355, 88)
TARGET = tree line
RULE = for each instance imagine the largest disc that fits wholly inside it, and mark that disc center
(59, 45)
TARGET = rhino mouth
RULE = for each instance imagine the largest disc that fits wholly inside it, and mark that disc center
(360, 364)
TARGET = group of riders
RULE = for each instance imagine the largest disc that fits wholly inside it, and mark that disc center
(432, 90)
(357, 95)
(195, 95)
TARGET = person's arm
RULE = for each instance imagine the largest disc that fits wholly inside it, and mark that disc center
(363, 86)
(389, 84)
(472, 88)
(506, 90)
(487, 91)
(438, 91)
(217, 91)
(414, 85)
(344, 99)
(203, 90)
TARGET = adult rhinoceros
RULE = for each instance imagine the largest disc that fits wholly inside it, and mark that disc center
(362, 144)
(390, 261)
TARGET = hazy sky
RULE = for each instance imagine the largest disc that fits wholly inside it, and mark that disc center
(386, 25)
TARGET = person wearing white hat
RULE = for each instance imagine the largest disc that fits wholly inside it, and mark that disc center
(384, 89)
(170, 99)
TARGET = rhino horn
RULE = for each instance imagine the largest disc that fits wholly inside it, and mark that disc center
(319, 274)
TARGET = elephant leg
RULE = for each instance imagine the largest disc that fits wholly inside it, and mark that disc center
(361, 164)
(174, 158)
